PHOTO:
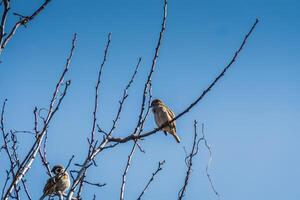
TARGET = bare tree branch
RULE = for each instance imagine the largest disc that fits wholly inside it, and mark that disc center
(125, 172)
(17, 161)
(30, 157)
(92, 151)
(135, 144)
(189, 162)
(209, 163)
(121, 102)
(159, 168)
(95, 184)
(97, 91)
(5, 183)
(43, 155)
(10, 150)
(154, 60)
(94, 122)
(6, 7)
(24, 20)
(133, 136)
(26, 189)
(147, 87)
(125, 95)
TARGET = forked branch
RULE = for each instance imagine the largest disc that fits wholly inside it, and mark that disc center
(54, 105)
(23, 21)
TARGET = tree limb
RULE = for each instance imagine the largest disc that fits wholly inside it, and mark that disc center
(133, 136)
(31, 155)
(24, 20)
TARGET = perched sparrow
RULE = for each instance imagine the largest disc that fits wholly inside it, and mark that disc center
(57, 184)
(163, 114)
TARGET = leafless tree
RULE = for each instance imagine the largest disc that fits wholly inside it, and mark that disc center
(99, 139)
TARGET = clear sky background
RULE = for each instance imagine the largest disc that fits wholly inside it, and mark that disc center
(251, 116)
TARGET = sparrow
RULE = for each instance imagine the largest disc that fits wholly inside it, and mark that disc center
(163, 114)
(57, 184)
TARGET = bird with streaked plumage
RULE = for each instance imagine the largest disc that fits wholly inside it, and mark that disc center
(57, 184)
(162, 115)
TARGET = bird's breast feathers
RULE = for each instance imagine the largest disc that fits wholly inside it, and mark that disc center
(161, 115)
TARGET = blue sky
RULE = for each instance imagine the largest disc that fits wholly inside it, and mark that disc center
(251, 116)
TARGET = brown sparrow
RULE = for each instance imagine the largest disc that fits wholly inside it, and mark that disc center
(163, 114)
(57, 184)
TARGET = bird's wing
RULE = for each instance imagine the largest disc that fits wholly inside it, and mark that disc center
(171, 116)
(50, 186)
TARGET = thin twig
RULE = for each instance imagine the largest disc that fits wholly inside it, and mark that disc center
(159, 168)
(124, 97)
(10, 151)
(31, 155)
(189, 162)
(17, 161)
(102, 146)
(94, 122)
(147, 87)
(125, 172)
(43, 155)
(69, 162)
(95, 184)
(97, 91)
(5, 183)
(209, 163)
(204, 93)
(24, 20)
(26, 189)
(154, 60)
(6, 7)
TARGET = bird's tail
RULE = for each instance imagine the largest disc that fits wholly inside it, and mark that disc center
(42, 197)
(176, 137)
